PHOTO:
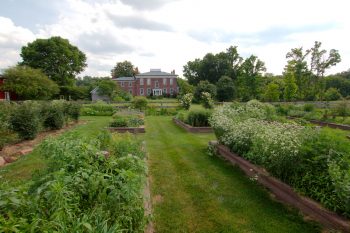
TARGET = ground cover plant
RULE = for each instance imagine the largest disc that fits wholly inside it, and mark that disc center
(312, 160)
(88, 185)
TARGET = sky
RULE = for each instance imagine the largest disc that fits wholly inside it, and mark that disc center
(167, 34)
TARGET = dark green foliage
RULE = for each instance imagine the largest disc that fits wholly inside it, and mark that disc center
(309, 107)
(81, 190)
(29, 83)
(25, 120)
(332, 94)
(72, 109)
(140, 102)
(184, 86)
(53, 115)
(204, 86)
(198, 118)
(225, 89)
(7, 136)
(107, 87)
(124, 69)
(130, 120)
(56, 57)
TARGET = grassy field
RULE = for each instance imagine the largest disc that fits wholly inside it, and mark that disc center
(22, 169)
(194, 192)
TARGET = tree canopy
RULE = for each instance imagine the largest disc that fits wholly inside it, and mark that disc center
(56, 57)
(124, 69)
(29, 83)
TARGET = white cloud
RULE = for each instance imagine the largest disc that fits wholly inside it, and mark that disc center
(168, 33)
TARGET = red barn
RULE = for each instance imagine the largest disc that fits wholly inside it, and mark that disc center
(6, 95)
(155, 82)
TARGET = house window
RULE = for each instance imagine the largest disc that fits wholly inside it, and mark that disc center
(171, 81)
(130, 84)
(171, 90)
(141, 91)
(130, 91)
(148, 91)
(148, 81)
(164, 81)
(156, 84)
(141, 81)
(164, 91)
(7, 95)
(122, 84)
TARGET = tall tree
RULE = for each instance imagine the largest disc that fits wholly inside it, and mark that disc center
(225, 89)
(29, 83)
(124, 69)
(319, 63)
(290, 87)
(184, 86)
(250, 78)
(56, 57)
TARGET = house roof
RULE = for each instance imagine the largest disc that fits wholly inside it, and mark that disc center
(124, 79)
(156, 72)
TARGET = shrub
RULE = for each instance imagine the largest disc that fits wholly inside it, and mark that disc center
(127, 119)
(332, 94)
(25, 120)
(139, 102)
(341, 109)
(53, 115)
(73, 110)
(198, 118)
(207, 101)
(186, 100)
(309, 107)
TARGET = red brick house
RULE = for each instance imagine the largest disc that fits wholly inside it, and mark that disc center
(6, 95)
(155, 82)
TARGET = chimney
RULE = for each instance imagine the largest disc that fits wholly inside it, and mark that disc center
(173, 72)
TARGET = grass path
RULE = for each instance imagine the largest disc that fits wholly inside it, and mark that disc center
(193, 192)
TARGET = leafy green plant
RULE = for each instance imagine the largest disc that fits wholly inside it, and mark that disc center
(25, 120)
(140, 102)
(198, 118)
(99, 108)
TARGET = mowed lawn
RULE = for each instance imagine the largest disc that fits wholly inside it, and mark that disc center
(195, 192)
(22, 170)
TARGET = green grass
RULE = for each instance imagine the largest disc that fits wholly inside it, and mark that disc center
(194, 192)
(22, 170)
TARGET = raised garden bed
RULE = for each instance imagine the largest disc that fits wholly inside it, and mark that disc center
(127, 129)
(192, 129)
(284, 192)
(322, 123)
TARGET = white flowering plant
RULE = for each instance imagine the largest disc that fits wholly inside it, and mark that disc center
(207, 100)
(186, 100)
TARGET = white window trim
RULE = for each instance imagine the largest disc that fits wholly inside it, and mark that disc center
(141, 91)
(130, 84)
(156, 84)
(122, 84)
(164, 90)
(141, 81)
(171, 91)
(164, 81)
(130, 91)
(148, 82)
(171, 81)
(149, 91)
(7, 95)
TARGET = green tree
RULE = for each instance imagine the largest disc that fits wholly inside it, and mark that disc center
(290, 87)
(225, 89)
(184, 86)
(107, 87)
(272, 92)
(204, 86)
(124, 69)
(250, 78)
(29, 83)
(56, 57)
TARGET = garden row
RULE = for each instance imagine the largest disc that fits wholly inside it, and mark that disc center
(24, 120)
(88, 185)
(312, 161)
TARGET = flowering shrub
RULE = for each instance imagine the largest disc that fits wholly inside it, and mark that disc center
(314, 163)
(186, 101)
(207, 100)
